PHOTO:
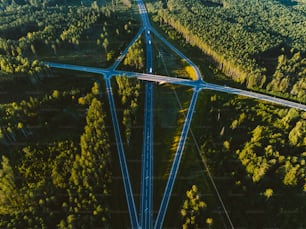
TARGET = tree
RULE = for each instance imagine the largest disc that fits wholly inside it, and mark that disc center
(10, 201)
(192, 209)
(91, 170)
(128, 89)
(268, 193)
(55, 94)
(105, 45)
(297, 135)
(209, 222)
(291, 174)
(135, 56)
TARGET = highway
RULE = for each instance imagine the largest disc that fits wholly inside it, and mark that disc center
(146, 195)
(122, 160)
(176, 163)
(113, 72)
(144, 14)
(146, 192)
(254, 95)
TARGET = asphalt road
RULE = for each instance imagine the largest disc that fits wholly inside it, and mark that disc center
(254, 95)
(144, 14)
(146, 195)
(146, 192)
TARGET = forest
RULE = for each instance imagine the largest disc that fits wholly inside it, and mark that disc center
(58, 160)
(260, 44)
(257, 151)
(46, 174)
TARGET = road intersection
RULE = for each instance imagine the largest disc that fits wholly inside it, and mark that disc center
(145, 217)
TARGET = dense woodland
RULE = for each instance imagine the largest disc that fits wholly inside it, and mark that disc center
(36, 30)
(258, 43)
(258, 151)
(55, 182)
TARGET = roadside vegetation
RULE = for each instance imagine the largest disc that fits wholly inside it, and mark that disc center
(129, 91)
(135, 58)
(168, 121)
(169, 63)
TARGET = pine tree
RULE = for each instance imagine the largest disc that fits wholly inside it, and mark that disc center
(10, 200)
(192, 209)
(91, 170)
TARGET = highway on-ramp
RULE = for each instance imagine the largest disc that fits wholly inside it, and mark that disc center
(195, 68)
(125, 51)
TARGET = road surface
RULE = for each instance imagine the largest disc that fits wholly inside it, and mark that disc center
(146, 193)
